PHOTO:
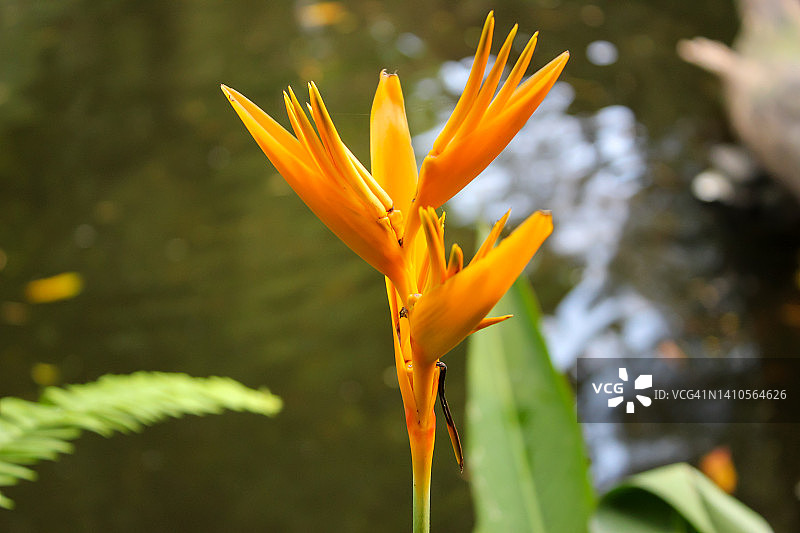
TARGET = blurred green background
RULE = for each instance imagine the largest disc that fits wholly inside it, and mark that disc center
(120, 159)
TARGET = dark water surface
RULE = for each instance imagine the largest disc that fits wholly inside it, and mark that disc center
(121, 159)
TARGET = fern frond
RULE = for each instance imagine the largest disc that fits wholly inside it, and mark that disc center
(34, 431)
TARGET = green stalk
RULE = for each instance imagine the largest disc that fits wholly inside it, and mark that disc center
(422, 507)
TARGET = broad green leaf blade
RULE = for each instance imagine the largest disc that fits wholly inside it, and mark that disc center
(674, 498)
(35, 431)
(638, 512)
(524, 446)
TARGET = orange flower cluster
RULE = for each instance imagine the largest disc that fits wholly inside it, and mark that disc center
(387, 216)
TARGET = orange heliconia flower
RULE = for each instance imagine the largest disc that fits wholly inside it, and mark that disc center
(387, 215)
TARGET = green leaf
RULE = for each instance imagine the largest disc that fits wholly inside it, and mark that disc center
(674, 498)
(524, 449)
(35, 431)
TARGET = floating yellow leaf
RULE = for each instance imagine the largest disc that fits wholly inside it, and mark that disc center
(59, 287)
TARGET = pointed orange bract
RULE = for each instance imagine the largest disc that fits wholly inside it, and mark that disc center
(470, 90)
(393, 164)
(444, 316)
(479, 130)
(321, 173)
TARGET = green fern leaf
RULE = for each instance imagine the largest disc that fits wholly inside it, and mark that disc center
(35, 431)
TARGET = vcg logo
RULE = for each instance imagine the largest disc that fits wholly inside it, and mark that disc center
(644, 381)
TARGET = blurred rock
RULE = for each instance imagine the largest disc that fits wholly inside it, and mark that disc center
(761, 78)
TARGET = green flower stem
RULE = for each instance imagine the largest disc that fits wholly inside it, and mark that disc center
(422, 507)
